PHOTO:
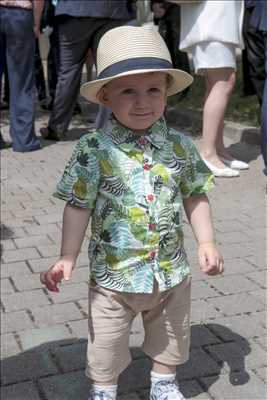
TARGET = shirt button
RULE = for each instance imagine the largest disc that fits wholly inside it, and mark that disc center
(152, 254)
(147, 167)
(142, 141)
(150, 198)
(152, 227)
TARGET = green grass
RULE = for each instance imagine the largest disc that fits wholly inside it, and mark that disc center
(240, 109)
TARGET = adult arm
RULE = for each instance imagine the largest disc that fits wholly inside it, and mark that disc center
(38, 6)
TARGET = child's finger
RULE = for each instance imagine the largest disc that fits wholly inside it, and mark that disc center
(67, 271)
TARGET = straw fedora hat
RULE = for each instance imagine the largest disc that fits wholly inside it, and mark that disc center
(129, 50)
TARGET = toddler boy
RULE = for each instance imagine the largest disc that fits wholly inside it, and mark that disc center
(133, 178)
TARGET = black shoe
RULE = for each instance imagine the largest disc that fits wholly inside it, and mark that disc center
(77, 109)
(48, 134)
(4, 105)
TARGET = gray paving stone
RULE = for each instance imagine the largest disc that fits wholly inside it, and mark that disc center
(22, 301)
(79, 328)
(201, 335)
(239, 355)
(261, 372)
(6, 286)
(129, 396)
(33, 241)
(35, 337)
(72, 357)
(13, 269)
(10, 256)
(42, 264)
(260, 295)
(27, 282)
(238, 266)
(8, 244)
(71, 291)
(203, 311)
(236, 304)
(192, 390)
(49, 250)
(237, 327)
(223, 389)
(260, 277)
(49, 218)
(202, 290)
(55, 314)
(20, 391)
(15, 321)
(233, 284)
(69, 386)
(9, 346)
(26, 366)
(136, 376)
(199, 364)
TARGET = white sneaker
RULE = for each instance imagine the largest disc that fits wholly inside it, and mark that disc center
(166, 390)
(235, 164)
(99, 395)
(221, 172)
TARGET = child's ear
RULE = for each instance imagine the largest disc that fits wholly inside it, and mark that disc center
(102, 96)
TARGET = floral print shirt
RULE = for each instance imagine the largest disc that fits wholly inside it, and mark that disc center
(135, 185)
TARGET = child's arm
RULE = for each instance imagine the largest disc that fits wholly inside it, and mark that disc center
(198, 212)
(75, 222)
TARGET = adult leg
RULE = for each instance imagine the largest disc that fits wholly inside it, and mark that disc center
(20, 62)
(73, 50)
(39, 74)
(53, 63)
(219, 85)
(264, 111)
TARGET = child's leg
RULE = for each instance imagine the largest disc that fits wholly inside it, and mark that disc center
(167, 337)
(109, 324)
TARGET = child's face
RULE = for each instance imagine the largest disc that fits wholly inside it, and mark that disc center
(137, 101)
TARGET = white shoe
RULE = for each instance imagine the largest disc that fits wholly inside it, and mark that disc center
(166, 390)
(221, 172)
(235, 164)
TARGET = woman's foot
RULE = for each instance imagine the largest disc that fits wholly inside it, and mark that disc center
(223, 171)
(230, 161)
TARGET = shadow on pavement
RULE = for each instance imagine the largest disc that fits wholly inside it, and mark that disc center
(55, 370)
(5, 234)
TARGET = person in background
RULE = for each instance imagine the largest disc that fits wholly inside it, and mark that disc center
(80, 27)
(255, 36)
(168, 18)
(19, 26)
(211, 31)
(134, 177)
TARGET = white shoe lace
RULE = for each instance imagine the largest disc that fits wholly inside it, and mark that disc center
(166, 390)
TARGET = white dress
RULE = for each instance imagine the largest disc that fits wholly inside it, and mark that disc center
(211, 31)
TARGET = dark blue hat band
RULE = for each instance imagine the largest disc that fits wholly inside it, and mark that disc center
(134, 64)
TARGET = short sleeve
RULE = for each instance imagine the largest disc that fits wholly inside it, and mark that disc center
(196, 176)
(80, 180)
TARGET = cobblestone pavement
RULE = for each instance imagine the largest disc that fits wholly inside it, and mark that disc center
(43, 336)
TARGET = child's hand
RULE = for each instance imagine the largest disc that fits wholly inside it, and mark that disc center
(210, 260)
(62, 269)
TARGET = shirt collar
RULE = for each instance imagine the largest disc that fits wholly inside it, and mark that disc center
(127, 139)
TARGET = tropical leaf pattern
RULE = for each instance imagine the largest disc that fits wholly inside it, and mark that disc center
(135, 187)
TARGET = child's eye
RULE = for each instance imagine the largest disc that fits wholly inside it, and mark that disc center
(154, 90)
(127, 92)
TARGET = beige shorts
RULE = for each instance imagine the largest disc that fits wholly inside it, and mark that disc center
(166, 319)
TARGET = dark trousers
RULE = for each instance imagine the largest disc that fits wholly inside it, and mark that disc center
(53, 62)
(256, 48)
(264, 109)
(39, 73)
(16, 33)
(76, 36)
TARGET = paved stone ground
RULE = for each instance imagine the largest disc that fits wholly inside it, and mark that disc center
(43, 336)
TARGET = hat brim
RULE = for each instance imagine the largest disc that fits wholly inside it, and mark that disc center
(180, 81)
